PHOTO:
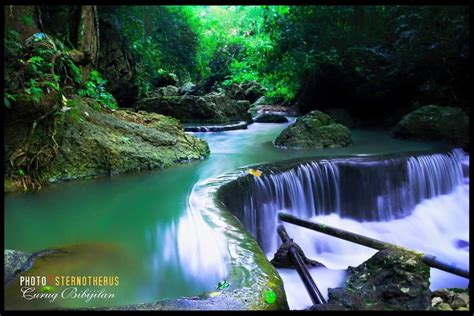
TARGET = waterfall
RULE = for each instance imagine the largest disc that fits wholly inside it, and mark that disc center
(358, 188)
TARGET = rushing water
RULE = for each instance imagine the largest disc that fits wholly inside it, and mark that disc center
(421, 202)
(147, 227)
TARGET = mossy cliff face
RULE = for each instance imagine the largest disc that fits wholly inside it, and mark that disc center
(314, 130)
(106, 142)
(433, 122)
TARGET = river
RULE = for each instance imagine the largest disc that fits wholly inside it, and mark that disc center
(141, 226)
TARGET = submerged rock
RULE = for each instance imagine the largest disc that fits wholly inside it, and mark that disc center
(314, 130)
(104, 142)
(392, 279)
(271, 118)
(432, 122)
(211, 108)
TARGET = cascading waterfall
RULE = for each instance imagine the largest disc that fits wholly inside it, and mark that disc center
(360, 188)
(418, 201)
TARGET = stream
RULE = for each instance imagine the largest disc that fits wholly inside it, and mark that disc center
(146, 227)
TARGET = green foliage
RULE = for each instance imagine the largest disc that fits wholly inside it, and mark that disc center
(95, 87)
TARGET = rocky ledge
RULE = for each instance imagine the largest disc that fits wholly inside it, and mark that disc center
(210, 108)
(93, 141)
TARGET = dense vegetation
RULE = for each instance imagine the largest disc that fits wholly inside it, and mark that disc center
(377, 63)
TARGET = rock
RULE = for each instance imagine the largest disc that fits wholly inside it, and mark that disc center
(15, 261)
(281, 259)
(445, 294)
(211, 108)
(443, 307)
(459, 300)
(106, 143)
(462, 309)
(250, 91)
(271, 118)
(167, 91)
(187, 88)
(314, 130)
(391, 279)
(436, 300)
(433, 122)
(165, 78)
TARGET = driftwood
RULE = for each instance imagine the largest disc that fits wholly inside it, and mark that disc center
(295, 257)
(429, 260)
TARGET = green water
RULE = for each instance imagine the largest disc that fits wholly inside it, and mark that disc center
(129, 225)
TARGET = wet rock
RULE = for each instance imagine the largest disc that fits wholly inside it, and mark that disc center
(432, 122)
(436, 300)
(167, 91)
(443, 307)
(314, 130)
(106, 143)
(391, 279)
(250, 91)
(271, 118)
(15, 261)
(187, 88)
(211, 108)
(281, 259)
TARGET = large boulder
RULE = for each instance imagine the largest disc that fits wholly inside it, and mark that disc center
(211, 108)
(392, 279)
(99, 142)
(271, 118)
(433, 122)
(314, 130)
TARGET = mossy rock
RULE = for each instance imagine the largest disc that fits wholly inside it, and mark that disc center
(271, 118)
(439, 123)
(392, 279)
(314, 130)
(102, 142)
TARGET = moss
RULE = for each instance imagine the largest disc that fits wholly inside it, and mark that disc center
(314, 130)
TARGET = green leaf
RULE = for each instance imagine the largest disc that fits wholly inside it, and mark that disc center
(7, 102)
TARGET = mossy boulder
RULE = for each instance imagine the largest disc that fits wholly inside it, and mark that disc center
(314, 130)
(211, 108)
(432, 122)
(103, 142)
(392, 279)
(271, 118)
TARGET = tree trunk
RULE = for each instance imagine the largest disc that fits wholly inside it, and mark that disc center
(88, 37)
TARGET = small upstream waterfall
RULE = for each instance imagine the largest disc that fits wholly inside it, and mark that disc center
(360, 188)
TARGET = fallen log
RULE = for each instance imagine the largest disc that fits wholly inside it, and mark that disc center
(300, 266)
(428, 259)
